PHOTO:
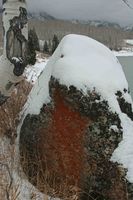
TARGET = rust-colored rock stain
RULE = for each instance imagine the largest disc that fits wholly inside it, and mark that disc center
(63, 142)
(62, 161)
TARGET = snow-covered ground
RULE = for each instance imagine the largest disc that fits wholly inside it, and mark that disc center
(130, 41)
(125, 52)
(39, 75)
(88, 65)
(32, 73)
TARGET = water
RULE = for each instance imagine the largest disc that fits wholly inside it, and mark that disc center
(127, 64)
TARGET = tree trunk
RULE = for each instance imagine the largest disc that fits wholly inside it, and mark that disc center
(14, 59)
(12, 64)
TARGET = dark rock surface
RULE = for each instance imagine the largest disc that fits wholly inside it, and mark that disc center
(66, 149)
(124, 106)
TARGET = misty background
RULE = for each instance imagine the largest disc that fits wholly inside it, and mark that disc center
(105, 10)
(61, 17)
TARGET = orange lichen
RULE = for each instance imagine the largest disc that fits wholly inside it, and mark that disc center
(61, 159)
(62, 143)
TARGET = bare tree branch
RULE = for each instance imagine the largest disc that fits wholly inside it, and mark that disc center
(126, 2)
(11, 180)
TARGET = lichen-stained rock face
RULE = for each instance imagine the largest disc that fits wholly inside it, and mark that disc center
(69, 145)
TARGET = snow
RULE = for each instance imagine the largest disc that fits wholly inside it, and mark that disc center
(114, 127)
(124, 52)
(33, 72)
(124, 153)
(40, 92)
(17, 59)
(130, 42)
(87, 64)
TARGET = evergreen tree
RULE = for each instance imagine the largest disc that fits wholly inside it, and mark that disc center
(55, 43)
(33, 45)
(34, 39)
(46, 48)
(50, 46)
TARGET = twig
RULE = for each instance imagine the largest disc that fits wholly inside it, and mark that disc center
(11, 179)
(126, 2)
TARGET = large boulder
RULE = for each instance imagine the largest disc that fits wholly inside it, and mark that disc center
(66, 145)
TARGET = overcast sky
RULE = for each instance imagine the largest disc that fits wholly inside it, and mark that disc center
(110, 10)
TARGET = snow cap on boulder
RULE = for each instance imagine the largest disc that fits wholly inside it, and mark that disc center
(87, 64)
